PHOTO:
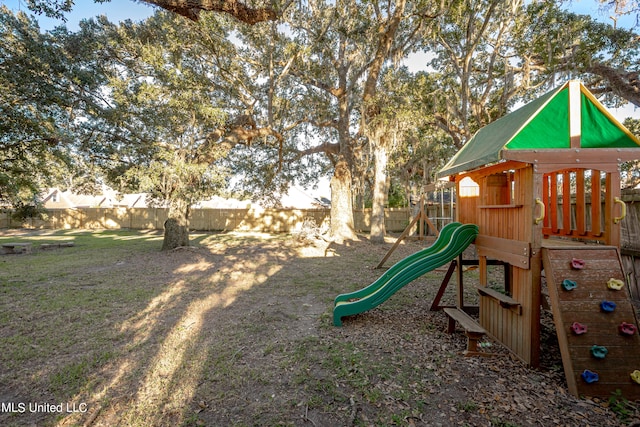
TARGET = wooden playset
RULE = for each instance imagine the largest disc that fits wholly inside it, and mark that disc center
(543, 186)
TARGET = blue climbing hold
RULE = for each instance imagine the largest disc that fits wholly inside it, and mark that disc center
(589, 377)
(569, 285)
(607, 306)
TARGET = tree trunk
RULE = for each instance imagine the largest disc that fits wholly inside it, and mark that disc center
(380, 189)
(176, 227)
(342, 227)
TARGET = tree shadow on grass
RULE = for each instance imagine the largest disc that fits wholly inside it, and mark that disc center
(236, 330)
(218, 341)
(129, 334)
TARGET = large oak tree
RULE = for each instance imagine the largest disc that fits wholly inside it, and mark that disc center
(46, 90)
(182, 97)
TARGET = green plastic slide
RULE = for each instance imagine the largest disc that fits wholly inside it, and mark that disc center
(453, 239)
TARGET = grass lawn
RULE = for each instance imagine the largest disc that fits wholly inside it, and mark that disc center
(237, 331)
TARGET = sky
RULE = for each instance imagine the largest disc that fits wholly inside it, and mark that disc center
(115, 10)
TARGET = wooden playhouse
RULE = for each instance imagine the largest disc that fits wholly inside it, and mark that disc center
(543, 186)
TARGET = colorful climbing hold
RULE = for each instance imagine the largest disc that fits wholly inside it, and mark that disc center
(577, 264)
(578, 328)
(607, 306)
(635, 375)
(615, 284)
(627, 328)
(569, 285)
(599, 352)
(589, 377)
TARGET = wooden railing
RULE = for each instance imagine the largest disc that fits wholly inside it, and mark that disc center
(574, 201)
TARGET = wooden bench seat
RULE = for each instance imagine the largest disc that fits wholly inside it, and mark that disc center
(16, 248)
(472, 329)
(68, 244)
(505, 301)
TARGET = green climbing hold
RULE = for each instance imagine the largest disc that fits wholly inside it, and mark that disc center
(599, 352)
(569, 285)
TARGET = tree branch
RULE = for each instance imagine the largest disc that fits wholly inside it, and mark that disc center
(623, 84)
(191, 9)
(326, 148)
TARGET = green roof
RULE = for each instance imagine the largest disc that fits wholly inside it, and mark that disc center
(542, 124)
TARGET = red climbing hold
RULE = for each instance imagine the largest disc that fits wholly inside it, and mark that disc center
(578, 328)
(577, 264)
(627, 328)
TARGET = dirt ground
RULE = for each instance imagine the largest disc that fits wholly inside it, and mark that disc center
(237, 331)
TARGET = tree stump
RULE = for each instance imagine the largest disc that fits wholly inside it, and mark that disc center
(175, 235)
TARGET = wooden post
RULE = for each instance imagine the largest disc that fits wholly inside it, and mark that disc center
(460, 288)
(553, 203)
(566, 203)
(612, 190)
(575, 127)
(421, 217)
(482, 266)
(581, 204)
(535, 272)
(596, 204)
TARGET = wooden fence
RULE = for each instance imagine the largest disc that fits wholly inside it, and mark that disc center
(630, 241)
(265, 220)
(252, 219)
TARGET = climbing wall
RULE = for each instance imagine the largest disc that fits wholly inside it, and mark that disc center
(595, 321)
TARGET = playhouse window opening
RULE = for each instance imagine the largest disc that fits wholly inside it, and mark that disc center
(469, 188)
(499, 188)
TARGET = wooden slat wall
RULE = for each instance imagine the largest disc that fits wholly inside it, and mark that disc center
(517, 330)
(507, 325)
